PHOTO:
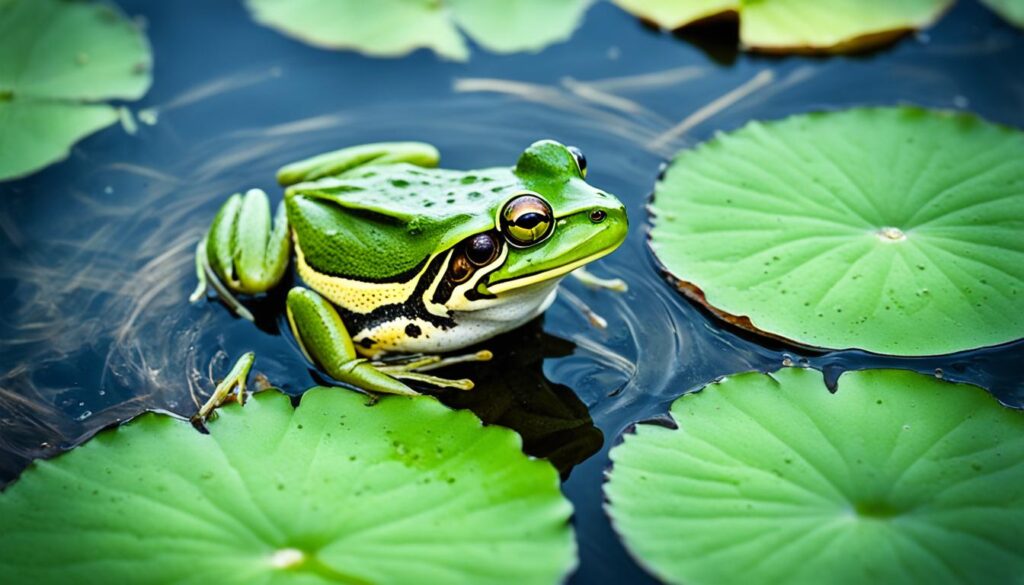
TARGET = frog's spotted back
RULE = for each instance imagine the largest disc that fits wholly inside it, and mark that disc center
(413, 191)
(425, 209)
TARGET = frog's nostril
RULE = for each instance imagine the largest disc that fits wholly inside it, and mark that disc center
(597, 216)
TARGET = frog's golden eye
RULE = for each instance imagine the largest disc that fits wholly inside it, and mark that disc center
(527, 220)
(581, 161)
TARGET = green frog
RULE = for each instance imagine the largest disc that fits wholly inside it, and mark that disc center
(404, 258)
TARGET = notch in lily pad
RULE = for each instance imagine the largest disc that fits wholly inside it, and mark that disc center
(892, 230)
(59, 61)
(798, 26)
(335, 490)
(898, 477)
(392, 28)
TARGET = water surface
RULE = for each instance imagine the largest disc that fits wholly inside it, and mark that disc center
(96, 259)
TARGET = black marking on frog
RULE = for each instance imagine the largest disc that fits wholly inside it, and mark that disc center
(412, 309)
(413, 330)
(444, 290)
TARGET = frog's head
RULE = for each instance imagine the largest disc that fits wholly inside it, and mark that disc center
(551, 224)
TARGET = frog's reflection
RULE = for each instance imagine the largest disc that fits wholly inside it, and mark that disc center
(512, 391)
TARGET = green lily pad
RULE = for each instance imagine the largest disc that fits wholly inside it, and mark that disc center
(674, 14)
(1011, 10)
(894, 230)
(56, 56)
(334, 491)
(391, 28)
(800, 25)
(896, 478)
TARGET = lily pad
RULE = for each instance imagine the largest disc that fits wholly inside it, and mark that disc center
(56, 58)
(800, 25)
(894, 230)
(1011, 10)
(391, 28)
(334, 491)
(674, 14)
(896, 478)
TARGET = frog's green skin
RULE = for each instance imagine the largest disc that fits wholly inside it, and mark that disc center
(379, 233)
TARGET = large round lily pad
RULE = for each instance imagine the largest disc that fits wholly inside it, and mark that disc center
(391, 28)
(894, 230)
(57, 58)
(800, 25)
(334, 491)
(896, 478)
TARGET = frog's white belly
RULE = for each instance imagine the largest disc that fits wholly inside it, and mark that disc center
(511, 310)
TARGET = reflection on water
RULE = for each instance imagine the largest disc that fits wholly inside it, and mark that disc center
(96, 261)
(512, 391)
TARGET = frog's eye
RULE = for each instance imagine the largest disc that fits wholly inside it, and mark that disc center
(481, 249)
(581, 161)
(460, 269)
(526, 220)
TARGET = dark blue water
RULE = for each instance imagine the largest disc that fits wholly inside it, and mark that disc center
(96, 260)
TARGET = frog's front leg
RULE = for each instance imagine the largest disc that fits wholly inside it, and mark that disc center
(245, 250)
(334, 163)
(325, 341)
(233, 384)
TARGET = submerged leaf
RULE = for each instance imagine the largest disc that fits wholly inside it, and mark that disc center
(800, 25)
(391, 28)
(404, 491)
(54, 55)
(894, 230)
(895, 478)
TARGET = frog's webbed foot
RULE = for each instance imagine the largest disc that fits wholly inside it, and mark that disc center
(231, 387)
(326, 343)
(334, 163)
(245, 250)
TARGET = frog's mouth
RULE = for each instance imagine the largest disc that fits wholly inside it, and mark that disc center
(504, 286)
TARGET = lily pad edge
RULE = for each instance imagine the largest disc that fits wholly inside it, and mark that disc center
(695, 294)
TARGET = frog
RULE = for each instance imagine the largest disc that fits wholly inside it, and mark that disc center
(403, 261)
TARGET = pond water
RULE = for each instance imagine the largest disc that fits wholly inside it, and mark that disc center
(96, 260)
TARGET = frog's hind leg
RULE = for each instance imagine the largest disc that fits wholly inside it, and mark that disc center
(245, 250)
(334, 163)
